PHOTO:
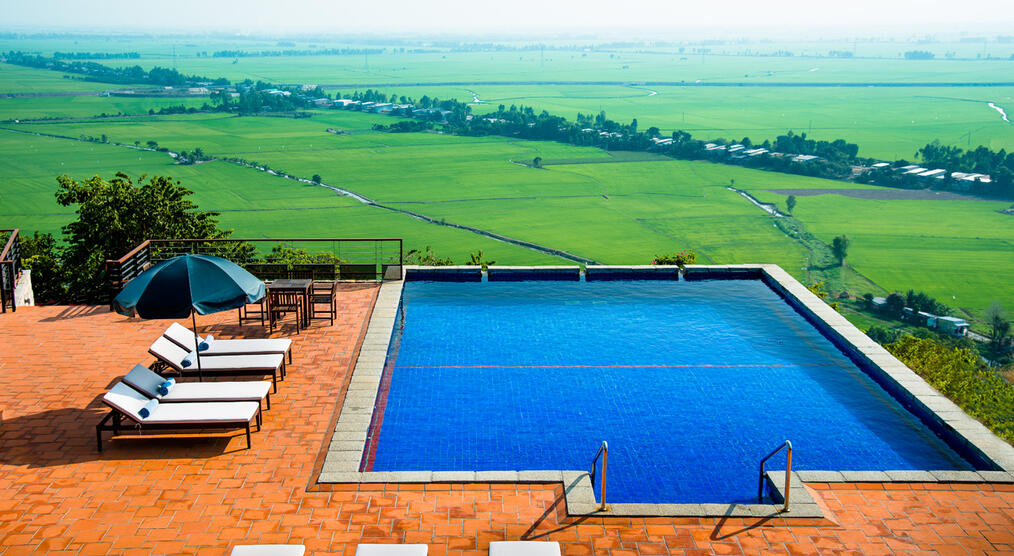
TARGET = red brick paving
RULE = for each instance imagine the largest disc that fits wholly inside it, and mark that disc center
(198, 495)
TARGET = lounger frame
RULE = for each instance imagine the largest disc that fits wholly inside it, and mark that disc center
(118, 416)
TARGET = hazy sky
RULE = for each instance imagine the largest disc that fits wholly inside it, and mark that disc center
(506, 16)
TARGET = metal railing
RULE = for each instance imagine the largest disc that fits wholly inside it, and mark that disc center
(10, 267)
(354, 258)
(604, 452)
(788, 473)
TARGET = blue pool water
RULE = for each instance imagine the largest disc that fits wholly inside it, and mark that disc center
(691, 383)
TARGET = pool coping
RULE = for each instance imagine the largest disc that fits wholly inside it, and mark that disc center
(348, 443)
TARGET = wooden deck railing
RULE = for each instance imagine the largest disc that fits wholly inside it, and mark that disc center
(10, 267)
(354, 258)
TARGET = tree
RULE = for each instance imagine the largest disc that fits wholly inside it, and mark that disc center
(426, 257)
(316, 178)
(537, 162)
(895, 304)
(999, 329)
(117, 215)
(840, 248)
(479, 259)
(790, 203)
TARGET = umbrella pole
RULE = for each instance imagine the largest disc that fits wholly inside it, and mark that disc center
(197, 345)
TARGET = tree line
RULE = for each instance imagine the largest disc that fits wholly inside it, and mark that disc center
(93, 71)
(293, 52)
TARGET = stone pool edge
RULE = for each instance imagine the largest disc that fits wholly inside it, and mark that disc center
(348, 441)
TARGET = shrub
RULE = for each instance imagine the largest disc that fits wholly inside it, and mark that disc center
(683, 258)
(959, 374)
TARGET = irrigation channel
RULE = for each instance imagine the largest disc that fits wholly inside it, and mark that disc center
(352, 194)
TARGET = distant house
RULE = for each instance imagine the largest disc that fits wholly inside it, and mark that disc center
(805, 158)
(916, 170)
(939, 174)
(755, 152)
(952, 325)
(881, 165)
(879, 302)
(735, 148)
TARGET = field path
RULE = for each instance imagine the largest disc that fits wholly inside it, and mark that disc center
(349, 193)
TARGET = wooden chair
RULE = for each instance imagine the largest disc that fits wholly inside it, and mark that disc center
(324, 294)
(266, 272)
(282, 303)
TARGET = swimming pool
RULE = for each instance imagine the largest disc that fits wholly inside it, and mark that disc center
(691, 383)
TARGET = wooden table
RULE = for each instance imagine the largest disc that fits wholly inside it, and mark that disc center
(297, 286)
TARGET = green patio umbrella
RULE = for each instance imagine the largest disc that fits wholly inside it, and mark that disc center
(189, 285)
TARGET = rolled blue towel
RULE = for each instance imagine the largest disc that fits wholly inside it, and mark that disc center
(206, 343)
(148, 409)
(165, 387)
(189, 359)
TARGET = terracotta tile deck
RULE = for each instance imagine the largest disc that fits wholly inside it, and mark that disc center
(198, 495)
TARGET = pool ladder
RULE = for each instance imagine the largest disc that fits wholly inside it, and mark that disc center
(604, 452)
(788, 473)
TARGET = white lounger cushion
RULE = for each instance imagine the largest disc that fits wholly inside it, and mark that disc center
(268, 550)
(184, 337)
(391, 550)
(218, 391)
(130, 402)
(166, 350)
(524, 548)
(146, 380)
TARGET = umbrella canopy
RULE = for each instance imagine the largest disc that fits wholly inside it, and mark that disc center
(189, 283)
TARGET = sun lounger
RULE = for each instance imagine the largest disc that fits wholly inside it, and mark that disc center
(184, 337)
(391, 550)
(524, 548)
(127, 403)
(173, 355)
(147, 382)
(268, 550)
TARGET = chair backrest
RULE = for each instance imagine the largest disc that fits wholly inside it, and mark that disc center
(168, 352)
(126, 400)
(283, 300)
(181, 336)
(144, 379)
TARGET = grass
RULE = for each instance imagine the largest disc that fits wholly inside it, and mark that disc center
(19, 79)
(253, 203)
(25, 108)
(613, 213)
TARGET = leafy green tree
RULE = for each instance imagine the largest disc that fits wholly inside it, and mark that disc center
(537, 162)
(882, 336)
(41, 254)
(895, 304)
(840, 248)
(790, 203)
(999, 329)
(316, 178)
(426, 257)
(479, 259)
(117, 215)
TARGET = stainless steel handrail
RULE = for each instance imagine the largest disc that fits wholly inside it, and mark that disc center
(604, 452)
(788, 473)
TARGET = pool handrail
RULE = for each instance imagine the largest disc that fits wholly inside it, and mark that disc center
(604, 452)
(788, 473)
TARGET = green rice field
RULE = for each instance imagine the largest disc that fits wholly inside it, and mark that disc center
(623, 209)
